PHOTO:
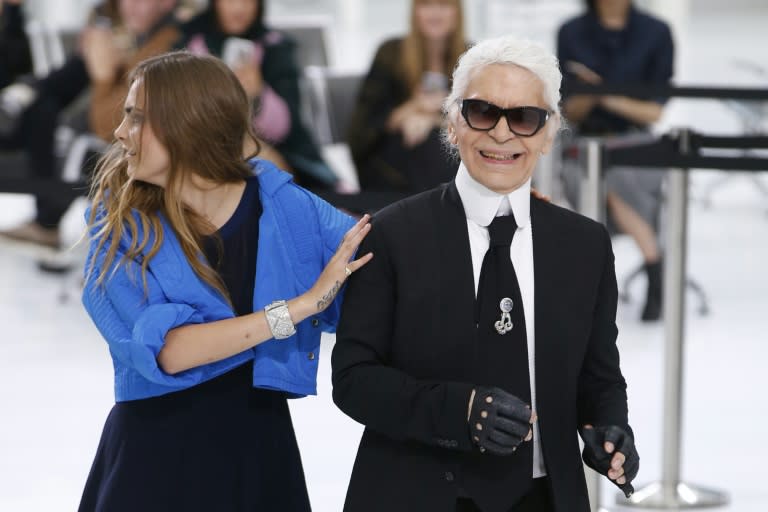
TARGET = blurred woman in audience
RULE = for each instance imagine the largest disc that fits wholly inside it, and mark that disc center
(211, 278)
(394, 134)
(263, 60)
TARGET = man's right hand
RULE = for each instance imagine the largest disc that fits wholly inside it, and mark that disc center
(499, 421)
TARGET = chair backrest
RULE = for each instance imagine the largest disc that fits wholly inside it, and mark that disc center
(49, 47)
(342, 96)
(311, 41)
(332, 97)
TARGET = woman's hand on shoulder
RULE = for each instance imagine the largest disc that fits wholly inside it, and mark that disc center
(539, 195)
(340, 266)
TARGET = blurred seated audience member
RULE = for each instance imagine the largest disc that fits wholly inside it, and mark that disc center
(15, 58)
(121, 33)
(394, 133)
(263, 60)
(614, 42)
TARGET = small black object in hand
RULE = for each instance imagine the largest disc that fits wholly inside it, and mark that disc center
(597, 458)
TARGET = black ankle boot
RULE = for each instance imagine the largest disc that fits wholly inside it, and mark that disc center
(652, 308)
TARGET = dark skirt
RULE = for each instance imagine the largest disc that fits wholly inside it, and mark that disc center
(219, 446)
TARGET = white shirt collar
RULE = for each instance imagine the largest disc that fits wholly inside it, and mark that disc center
(481, 203)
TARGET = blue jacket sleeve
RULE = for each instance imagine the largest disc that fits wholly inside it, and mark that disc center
(333, 225)
(134, 322)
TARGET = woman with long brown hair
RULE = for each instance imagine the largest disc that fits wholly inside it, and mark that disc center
(210, 276)
(395, 129)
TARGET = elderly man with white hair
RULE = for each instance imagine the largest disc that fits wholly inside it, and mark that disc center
(482, 335)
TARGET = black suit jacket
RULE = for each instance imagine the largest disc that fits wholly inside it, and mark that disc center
(403, 360)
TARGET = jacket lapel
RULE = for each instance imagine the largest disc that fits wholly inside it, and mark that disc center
(456, 280)
(546, 272)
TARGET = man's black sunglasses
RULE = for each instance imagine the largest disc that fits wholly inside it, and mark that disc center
(522, 121)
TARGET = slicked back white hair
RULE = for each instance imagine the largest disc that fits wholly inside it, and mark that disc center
(508, 50)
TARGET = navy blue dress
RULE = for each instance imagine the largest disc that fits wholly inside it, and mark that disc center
(218, 446)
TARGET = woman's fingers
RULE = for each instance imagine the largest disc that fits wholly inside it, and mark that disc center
(356, 233)
(360, 224)
(353, 238)
(359, 262)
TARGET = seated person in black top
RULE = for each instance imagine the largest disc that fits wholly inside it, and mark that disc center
(121, 33)
(613, 42)
(394, 133)
(263, 60)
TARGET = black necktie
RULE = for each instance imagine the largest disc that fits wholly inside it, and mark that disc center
(497, 483)
(498, 283)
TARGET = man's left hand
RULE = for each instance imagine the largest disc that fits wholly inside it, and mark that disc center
(611, 452)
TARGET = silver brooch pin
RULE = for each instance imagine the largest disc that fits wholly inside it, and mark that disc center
(504, 325)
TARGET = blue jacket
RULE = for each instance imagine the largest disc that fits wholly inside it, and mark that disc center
(298, 234)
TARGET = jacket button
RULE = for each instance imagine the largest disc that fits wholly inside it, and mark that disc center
(311, 356)
(449, 476)
(315, 322)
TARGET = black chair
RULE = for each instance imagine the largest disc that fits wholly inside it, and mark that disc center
(310, 37)
(331, 99)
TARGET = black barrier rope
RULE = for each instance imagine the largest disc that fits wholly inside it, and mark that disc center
(665, 152)
(666, 91)
(22, 185)
(729, 142)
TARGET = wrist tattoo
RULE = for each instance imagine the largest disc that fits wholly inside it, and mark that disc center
(328, 297)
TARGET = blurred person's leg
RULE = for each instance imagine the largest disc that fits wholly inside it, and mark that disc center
(634, 200)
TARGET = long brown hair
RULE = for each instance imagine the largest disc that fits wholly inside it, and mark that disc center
(200, 113)
(413, 51)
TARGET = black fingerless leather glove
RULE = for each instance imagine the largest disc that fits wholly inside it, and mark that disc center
(597, 458)
(498, 421)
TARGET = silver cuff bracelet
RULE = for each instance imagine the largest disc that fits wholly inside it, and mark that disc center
(279, 320)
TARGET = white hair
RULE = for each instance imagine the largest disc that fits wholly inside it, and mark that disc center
(508, 50)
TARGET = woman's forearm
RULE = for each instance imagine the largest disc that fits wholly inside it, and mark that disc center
(194, 345)
(638, 111)
(577, 108)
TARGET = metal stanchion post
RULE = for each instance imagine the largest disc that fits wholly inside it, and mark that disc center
(592, 198)
(592, 205)
(670, 493)
(545, 175)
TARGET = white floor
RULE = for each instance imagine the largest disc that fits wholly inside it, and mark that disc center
(56, 376)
